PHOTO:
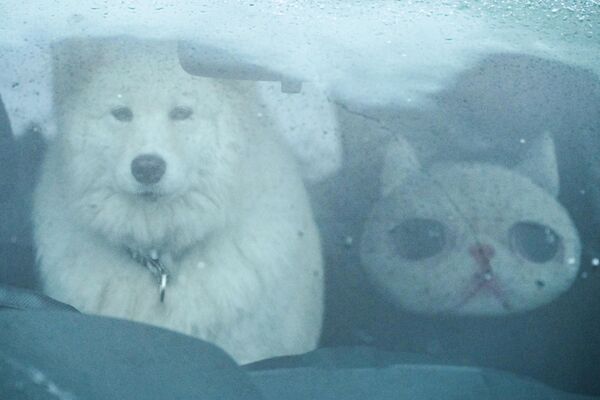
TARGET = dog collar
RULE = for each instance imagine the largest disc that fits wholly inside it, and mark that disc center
(153, 264)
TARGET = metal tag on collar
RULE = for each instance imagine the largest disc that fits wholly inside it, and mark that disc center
(163, 286)
(159, 270)
(156, 268)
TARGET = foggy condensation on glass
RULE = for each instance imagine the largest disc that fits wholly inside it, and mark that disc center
(427, 172)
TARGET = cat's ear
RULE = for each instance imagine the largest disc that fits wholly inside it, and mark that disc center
(540, 164)
(400, 162)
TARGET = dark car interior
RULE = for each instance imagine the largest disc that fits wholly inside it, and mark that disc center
(48, 350)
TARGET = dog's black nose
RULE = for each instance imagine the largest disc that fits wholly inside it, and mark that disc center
(148, 168)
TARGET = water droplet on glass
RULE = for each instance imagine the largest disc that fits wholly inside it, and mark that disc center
(549, 236)
(348, 240)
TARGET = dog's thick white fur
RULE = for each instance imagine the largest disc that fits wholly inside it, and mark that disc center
(230, 216)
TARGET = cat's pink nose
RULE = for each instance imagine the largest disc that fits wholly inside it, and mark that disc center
(482, 253)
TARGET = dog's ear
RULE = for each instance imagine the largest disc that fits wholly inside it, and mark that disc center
(73, 61)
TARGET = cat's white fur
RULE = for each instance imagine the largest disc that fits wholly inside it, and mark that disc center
(230, 218)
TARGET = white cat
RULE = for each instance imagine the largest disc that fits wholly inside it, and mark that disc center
(470, 238)
(167, 199)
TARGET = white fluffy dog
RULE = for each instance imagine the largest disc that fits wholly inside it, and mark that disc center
(160, 183)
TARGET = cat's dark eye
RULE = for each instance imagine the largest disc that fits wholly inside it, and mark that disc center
(123, 114)
(535, 242)
(418, 238)
(180, 113)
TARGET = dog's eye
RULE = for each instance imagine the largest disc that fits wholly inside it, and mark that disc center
(123, 114)
(180, 113)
